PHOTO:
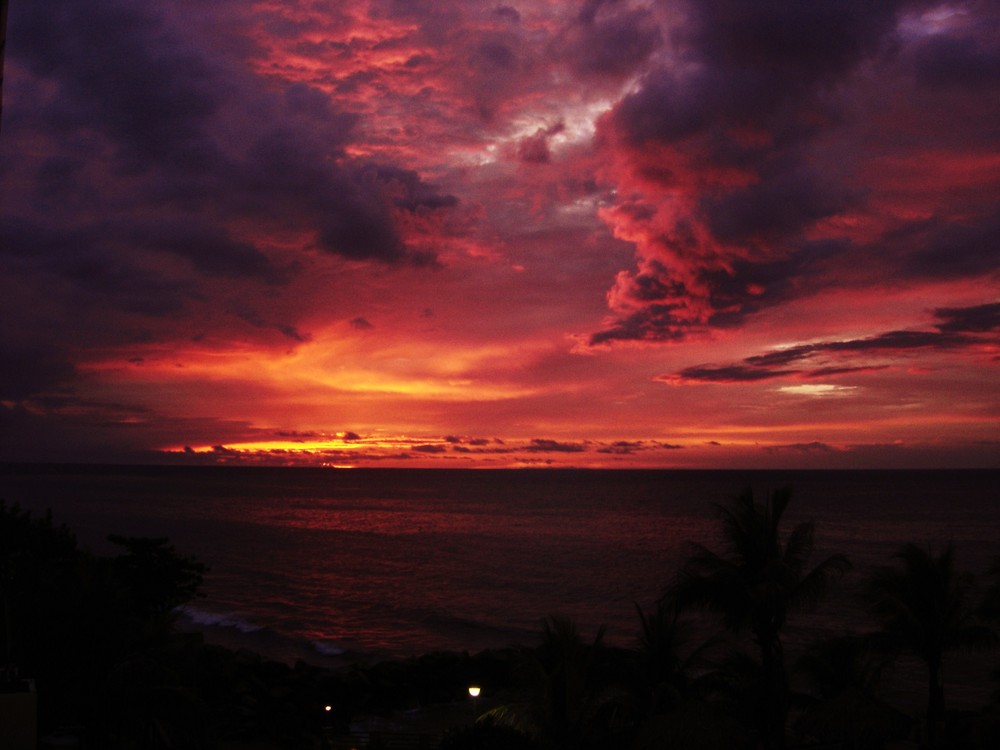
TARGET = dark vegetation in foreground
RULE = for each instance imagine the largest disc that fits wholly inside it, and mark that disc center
(96, 636)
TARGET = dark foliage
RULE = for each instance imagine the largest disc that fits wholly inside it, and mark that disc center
(487, 735)
(94, 632)
(154, 577)
(924, 604)
(762, 577)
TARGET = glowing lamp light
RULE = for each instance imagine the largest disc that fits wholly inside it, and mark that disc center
(328, 709)
(474, 691)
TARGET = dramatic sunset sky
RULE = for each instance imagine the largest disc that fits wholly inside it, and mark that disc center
(719, 233)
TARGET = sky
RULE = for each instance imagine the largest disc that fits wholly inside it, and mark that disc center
(450, 233)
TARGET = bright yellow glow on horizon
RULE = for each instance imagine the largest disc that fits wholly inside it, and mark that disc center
(818, 389)
(313, 446)
(425, 370)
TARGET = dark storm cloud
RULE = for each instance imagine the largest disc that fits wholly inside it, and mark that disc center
(952, 250)
(734, 119)
(654, 285)
(747, 286)
(199, 138)
(114, 66)
(288, 177)
(757, 64)
(104, 282)
(141, 167)
(209, 248)
(486, 58)
(652, 323)
(959, 328)
(96, 257)
(978, 319)
(728, 374)
(86, 259)
(408, 192)
(156, 145)
(893, 340)
(782, 203)
(608, 39)
(27, 368)
(957, 62)
(735, 292)
(71, 428)
(798, 43)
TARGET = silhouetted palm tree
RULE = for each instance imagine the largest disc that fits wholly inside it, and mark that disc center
(666, 658)
(990, 607)
(682, 696)
(663, 674)
(754, 586)
(924, 606)
(568, 704)
(843, 674)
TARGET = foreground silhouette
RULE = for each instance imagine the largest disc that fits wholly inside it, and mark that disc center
(926, 608)
(760, 579)
(97, 635)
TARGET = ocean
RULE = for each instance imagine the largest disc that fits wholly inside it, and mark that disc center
(333, 565)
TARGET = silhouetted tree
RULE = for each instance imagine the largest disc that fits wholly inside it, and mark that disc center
(924, 607)
(568, 703)
(71, 619)
(990, 607)
(486, 735)
(759, 580)
(684, 698)
(154, 578)
(666, 658)
(37, 563)
(843, 674)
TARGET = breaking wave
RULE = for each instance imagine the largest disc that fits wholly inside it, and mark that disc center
(204, 618)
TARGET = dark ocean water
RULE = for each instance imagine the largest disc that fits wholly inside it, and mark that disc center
(320, 563)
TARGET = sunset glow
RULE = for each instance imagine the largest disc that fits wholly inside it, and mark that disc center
(616, 233)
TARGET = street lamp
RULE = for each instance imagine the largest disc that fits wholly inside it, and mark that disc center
(474, 691)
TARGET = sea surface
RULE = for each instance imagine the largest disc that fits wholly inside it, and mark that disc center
(330, 565)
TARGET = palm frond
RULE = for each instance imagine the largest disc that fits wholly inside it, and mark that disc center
(799, 547)
(924, 603)
(776, 506)
(814, 585)
(975, 638)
